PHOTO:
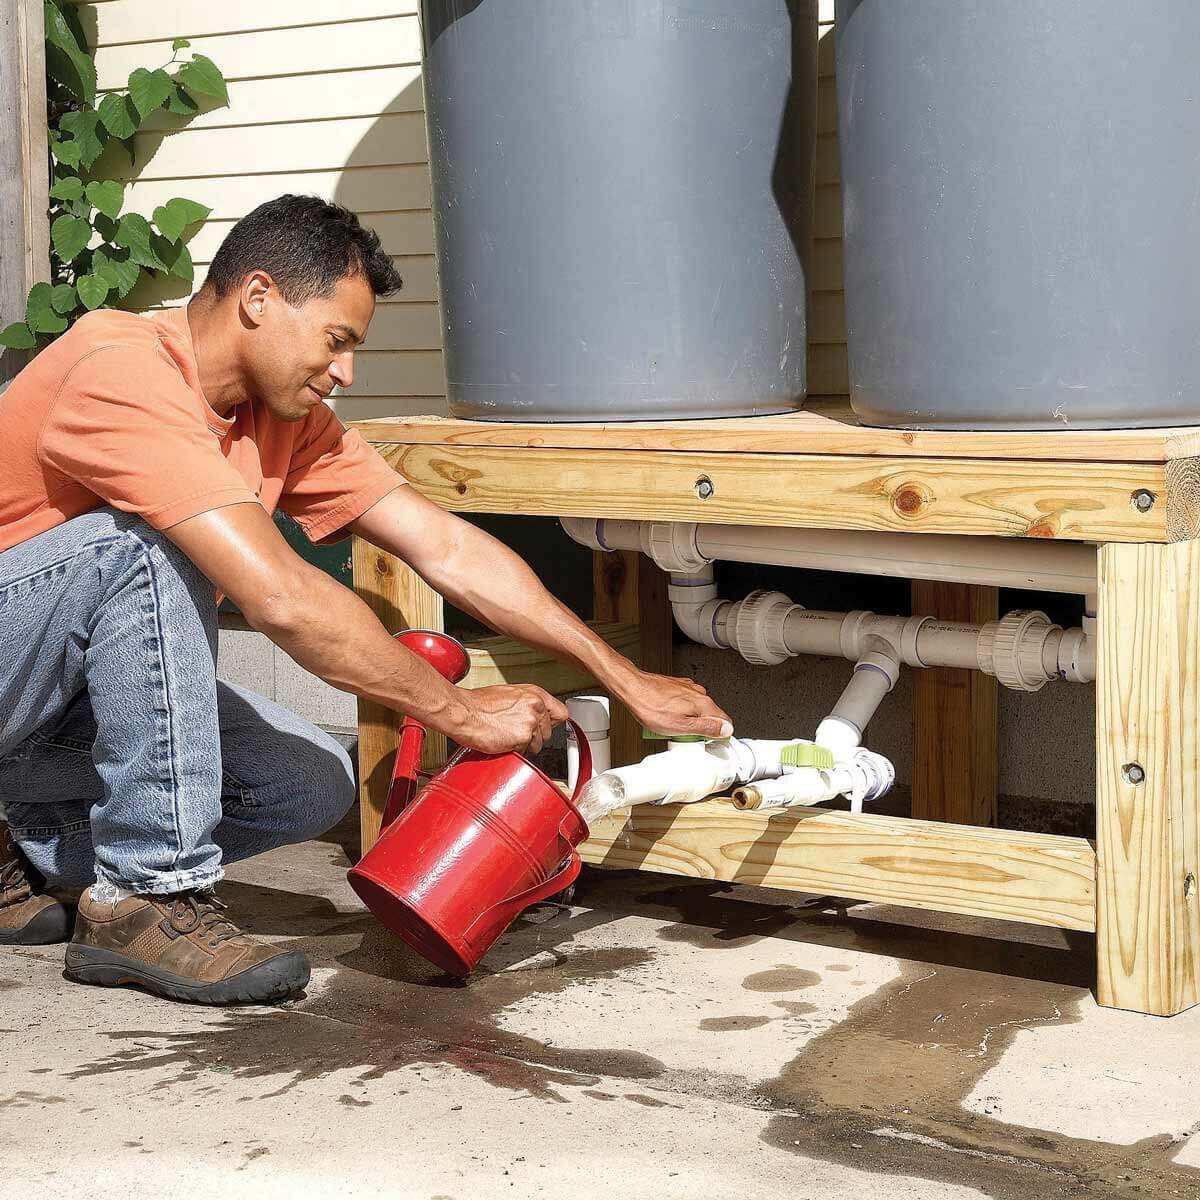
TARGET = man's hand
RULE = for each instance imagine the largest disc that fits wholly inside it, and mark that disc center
(508, 717)
(664, 704)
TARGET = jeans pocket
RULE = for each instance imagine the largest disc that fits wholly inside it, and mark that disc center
(237, 793)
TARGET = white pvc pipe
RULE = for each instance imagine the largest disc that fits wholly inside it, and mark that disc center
(1029, 563)
(1023, 650)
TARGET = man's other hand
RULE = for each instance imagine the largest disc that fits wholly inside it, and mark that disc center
(664, 704)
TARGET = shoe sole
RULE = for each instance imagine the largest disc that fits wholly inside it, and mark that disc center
(49, 926)
(266, 983)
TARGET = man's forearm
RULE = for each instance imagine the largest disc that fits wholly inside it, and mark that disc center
(329, 631)
(485, 578)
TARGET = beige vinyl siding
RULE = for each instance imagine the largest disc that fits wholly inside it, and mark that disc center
(335, 108)
(331, 107)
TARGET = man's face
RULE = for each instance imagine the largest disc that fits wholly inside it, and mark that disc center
(308, 350)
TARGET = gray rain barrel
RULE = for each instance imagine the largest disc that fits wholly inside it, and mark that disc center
(1021, 201)
(622, 203)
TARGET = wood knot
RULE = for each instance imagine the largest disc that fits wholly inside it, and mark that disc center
(461, 488)
(910, 499)
(1044, 527)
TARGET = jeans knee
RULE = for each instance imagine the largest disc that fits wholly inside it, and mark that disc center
(329, 790)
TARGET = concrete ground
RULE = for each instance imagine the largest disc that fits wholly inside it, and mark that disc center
(657, 1038)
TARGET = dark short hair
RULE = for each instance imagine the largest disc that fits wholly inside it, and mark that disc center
(307, 246)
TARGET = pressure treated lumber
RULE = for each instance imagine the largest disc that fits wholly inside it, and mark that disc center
(1040, 879)
(1148, 777)
(496, 660)
(24, 175)
(401, 599)
(1074, 501)
(824, 427)
(955, 728)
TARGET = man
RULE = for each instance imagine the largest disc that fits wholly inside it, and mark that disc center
(143, 457)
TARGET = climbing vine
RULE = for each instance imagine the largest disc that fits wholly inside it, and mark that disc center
(99, 249)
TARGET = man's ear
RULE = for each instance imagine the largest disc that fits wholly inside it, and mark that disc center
(256, 290)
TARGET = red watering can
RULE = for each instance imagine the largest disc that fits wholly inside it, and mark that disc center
(486, 838)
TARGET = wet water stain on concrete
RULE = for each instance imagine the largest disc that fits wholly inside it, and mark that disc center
(422, 1019)
(734, 1024)
(884, 1090)
(783, 978)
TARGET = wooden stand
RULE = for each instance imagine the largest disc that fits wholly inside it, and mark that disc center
(1133, 493)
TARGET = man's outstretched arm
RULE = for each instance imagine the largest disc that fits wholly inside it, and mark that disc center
(328, 630)
(485, 578)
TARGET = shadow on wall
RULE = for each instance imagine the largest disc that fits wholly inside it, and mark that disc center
(385, 180)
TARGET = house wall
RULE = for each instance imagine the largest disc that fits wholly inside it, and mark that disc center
(323, 99)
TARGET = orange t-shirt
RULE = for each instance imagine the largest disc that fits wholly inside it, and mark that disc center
(112, 413)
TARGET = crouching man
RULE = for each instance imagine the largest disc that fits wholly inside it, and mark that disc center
(143, 457)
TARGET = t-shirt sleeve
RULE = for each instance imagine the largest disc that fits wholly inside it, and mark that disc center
(126, 426)
(335, 475)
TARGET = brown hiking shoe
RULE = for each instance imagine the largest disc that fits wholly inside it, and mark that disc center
(27, 918)
(179, 946)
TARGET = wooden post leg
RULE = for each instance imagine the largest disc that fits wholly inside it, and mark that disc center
(628, 587)
(401, 599)
(1147, 779)
(955, 752)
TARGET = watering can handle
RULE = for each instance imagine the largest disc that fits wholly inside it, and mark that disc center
(559, 881)
(585, 759)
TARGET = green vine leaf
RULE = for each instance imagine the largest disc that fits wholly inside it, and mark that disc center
(178, 260)
(176, 215)
(134, 233)
(179, 44)
(149, 90)
(63, 298)
(70, 235)
(92, 291)
(118, 115)
(65, 152)
(69, 187)
(117, 270)
(106, 195)
(39, 311)
(181, 104)
(84, 127)
(67, 59)
(17, 336)
(202, 77)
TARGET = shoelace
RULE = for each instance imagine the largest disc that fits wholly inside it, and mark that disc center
(13, 878)
(205, 911)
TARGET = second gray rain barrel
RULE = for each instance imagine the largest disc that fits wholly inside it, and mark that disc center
(1021, 201)
(622, 203)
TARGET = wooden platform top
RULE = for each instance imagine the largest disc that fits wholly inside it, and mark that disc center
(825, 427)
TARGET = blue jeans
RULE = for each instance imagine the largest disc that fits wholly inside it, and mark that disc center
(121, 755)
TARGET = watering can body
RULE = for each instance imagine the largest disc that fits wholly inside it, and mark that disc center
(486, 837)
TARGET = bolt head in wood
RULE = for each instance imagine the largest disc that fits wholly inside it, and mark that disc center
(704, 487)
(1134, 773)
(1143, 500)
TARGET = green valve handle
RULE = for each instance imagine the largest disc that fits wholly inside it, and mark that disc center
(807, 754)
(650, 735)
